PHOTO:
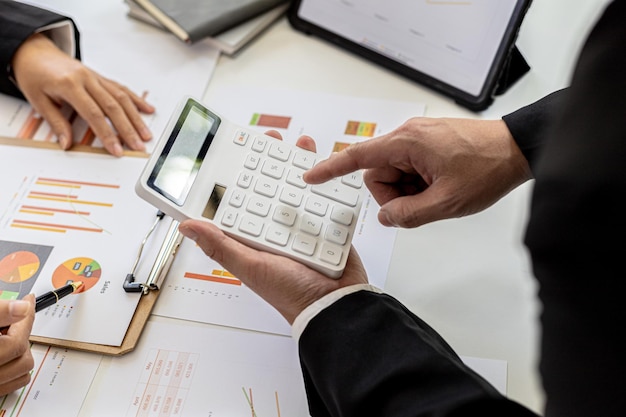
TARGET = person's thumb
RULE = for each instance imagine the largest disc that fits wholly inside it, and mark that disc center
(12, 311)
(412, 211)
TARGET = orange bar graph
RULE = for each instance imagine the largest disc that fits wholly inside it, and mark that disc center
(70, 199)
(33, 211)
(52, 210)
(61, 182)
(221, 276)
(268, 120)
(30, 126)
(63, 196)
(88, 137)
(55, 227)
(340, 146)
(43, 194)
(360, 128)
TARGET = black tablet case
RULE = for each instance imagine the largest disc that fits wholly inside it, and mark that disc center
(510, 64)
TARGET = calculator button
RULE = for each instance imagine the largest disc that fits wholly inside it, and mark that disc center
(241, 137)
(266, 187)
(311, 225)
(316, 205)
(304, 160)
(331, 253)
(252, 161)
(304, 244)
(291, 196)
(258, 205)
(285, 215)
(236, 198)
(336, 234)
(258, 144)
(341, 214)
(244, 180)
(229, 218)
(279, 150)
(272, 169)
(277, 234)
(294, 177)
(353, 179)
(338, 192)
(251, 225)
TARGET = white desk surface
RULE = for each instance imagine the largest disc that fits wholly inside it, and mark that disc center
(469, 278)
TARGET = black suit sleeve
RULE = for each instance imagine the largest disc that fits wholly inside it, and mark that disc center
(367, 355)
(17, 22)
(530, 124)
(576, 230)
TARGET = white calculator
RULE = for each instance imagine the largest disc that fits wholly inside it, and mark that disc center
(250, 186)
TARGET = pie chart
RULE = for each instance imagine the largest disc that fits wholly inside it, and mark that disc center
(19, 266)
(82, 269)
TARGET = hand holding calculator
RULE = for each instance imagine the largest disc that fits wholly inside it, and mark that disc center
(250, 186)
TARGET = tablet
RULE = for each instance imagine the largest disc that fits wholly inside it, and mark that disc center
(459, 48)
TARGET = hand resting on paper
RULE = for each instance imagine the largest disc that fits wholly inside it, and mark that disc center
(287, 285)
(48, 77)
(16, 360)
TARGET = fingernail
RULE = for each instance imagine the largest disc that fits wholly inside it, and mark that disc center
(145, 133)
(390, 221)
(188, 233)
(139, 145)
(118, 150)
(63, 141)
(19, 308)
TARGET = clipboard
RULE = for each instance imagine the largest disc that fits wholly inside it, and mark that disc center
(129, 343)
(148, 290)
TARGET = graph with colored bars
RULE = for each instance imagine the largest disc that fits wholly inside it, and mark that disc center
(217, 275)
(355, 128)
(35, 128)
(59, 205)
(269, 120)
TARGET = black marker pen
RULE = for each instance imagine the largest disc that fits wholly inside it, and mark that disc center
(53, 297)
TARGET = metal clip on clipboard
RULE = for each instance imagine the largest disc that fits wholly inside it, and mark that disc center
(163, 261)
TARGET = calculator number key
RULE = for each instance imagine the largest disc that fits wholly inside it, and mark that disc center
(304, 244)
(331, 254)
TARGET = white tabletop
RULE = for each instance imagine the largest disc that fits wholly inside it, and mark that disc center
(469, 278)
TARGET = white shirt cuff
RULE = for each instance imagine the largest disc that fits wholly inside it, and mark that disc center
(62, 34)
(303, 319)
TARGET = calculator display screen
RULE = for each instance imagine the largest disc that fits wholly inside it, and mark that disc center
(182, 156)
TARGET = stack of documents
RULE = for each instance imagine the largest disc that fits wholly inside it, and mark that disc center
(225, 26)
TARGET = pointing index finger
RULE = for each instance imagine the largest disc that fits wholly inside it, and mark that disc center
(362, 155)
(338, 164)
